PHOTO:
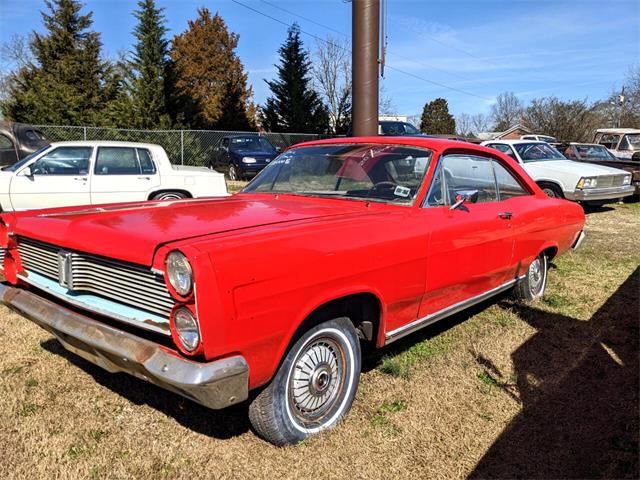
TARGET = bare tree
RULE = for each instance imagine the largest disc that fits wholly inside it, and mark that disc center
(385, 104)
(481, 123)
(566, 120)
(332, 75)
(463, 125)
(507, 111)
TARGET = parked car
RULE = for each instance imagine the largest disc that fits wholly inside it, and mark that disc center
(337, 243)
(395, 128)
(561, 178)
(243, 155)
(539, 138)
(83, 173)
(599, 155)
(18, 140)
(622, 142)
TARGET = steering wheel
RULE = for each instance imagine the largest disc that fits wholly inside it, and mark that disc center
(385, 183)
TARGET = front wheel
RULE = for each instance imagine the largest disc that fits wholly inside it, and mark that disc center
(533, 284)
(313, 388)
(551, 190)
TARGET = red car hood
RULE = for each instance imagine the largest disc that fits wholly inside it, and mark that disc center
(132, 232)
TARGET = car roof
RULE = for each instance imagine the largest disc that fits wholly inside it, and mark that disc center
(618, 130)
(103, 143)
(515, 142)
(437, 144)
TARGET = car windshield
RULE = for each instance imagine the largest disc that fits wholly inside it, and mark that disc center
(537, 152)
(251, 144)
(596, 152)
(634, 141)
(384, 173)
(398, 128)
(20, 163)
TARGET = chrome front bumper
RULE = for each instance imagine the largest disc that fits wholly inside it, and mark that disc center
(216, 384)
(612, 193)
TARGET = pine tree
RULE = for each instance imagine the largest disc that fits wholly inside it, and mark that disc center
(150, 68)
(294, 105)
(436, 118)
(209, 78)
(67, 83)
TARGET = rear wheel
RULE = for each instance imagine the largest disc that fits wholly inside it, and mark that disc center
(169, 196)
(533, 284)
(551, 190)
(313, 388)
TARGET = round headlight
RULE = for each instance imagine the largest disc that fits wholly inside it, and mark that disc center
(186, 327)
(179, 273)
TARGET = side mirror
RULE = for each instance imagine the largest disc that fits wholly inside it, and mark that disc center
(279, 149)
(27, 172)
(464, 196)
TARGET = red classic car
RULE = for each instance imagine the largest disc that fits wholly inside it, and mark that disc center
(335, 244)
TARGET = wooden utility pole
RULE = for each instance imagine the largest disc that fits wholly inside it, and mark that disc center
(366, 45)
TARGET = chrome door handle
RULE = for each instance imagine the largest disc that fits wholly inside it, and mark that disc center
(144, 178)
(84, 179)
(505, 215)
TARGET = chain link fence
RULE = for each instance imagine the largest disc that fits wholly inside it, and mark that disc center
(185, 147)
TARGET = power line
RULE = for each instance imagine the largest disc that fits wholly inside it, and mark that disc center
(432, 82)
(391, 52)
(418, 62)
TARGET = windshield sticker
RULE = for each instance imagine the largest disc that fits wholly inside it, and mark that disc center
(401, 191)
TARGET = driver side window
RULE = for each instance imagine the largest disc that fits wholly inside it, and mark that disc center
(63, 161)
(459, 172)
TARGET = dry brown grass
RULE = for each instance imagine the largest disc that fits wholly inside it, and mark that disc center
(545, 390)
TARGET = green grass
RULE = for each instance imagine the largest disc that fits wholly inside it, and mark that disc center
(30, 383)
(401, 365)
(28, 409)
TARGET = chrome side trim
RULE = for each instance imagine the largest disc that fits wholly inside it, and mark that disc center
(445, 312)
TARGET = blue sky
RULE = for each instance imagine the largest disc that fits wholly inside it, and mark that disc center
(573, 49)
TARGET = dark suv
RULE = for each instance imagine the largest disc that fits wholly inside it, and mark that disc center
(244, 155)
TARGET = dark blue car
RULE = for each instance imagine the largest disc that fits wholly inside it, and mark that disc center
(242, 155)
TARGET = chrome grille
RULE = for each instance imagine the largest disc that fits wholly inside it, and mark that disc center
(607, 181)
(125, 283)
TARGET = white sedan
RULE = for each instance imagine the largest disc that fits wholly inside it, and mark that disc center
(93, 172)
(562, 178)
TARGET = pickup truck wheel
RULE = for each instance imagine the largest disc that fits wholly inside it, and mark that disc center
(168, 196)
(313, 388)
(551, 190)
(533, 284)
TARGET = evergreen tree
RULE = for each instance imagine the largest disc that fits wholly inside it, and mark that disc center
(150, 68)
(436, 118)
(67, 83)
(209, 78)
(294, 105)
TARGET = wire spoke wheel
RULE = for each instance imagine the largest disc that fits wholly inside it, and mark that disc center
(536, 276)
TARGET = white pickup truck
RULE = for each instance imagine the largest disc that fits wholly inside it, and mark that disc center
(93, 172)
(562, 178)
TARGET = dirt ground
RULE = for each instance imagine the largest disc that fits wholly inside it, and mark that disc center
(546, 390)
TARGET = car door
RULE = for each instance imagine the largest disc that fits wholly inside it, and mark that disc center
(470, 247)
(57, 179)
(123, 174)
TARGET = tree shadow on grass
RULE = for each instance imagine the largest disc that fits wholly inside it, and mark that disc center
(578, 382)
(222, 424)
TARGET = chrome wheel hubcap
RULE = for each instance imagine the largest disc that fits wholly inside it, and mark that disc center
(536, 276)
(316, 380)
